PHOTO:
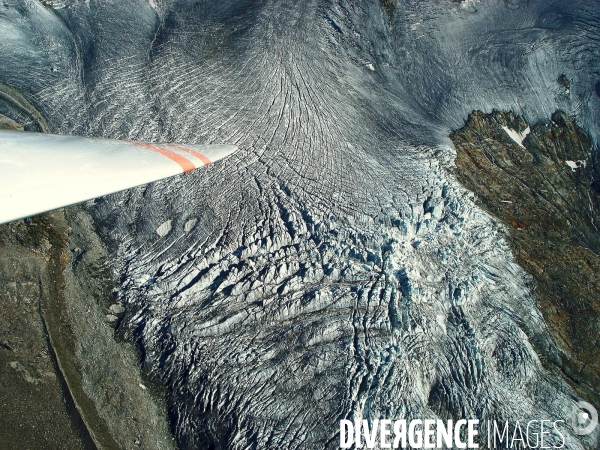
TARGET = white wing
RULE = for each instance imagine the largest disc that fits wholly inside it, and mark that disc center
(40, 172)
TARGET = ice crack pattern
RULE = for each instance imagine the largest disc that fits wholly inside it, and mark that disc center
(332, 268)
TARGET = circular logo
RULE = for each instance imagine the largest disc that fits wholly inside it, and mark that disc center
(584, 418)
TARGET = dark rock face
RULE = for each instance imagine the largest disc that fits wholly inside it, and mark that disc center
(36, 408)
(564, 82)
(543, 190)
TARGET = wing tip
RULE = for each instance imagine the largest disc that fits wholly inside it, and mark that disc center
(217, 152)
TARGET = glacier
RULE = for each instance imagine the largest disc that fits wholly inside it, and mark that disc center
(333, 268)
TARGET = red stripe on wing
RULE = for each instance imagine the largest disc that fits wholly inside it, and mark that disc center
(198, 155)
(185, 163)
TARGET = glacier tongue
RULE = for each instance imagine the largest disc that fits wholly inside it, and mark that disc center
(332, 268)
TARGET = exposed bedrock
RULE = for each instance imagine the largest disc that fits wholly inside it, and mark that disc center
(543, 183)
(332, 268)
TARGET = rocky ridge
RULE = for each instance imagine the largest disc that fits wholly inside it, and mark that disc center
(542, 181)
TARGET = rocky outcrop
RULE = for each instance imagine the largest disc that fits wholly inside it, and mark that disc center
(543, 184)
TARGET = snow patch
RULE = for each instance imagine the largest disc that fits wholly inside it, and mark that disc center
(516, 136)
(164, 229)
(116, 309)
(574, 165)
(189, 225)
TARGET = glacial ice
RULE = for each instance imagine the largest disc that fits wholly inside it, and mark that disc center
(319, 281)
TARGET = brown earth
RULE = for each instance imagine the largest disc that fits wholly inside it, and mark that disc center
(37, 409)
(66, 382)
